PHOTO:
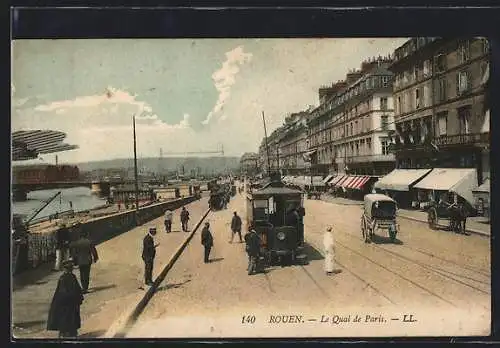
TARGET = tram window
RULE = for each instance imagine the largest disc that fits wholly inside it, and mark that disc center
(260, 204)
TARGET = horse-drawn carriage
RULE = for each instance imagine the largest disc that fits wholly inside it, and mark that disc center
(379, 213)
(455, 213)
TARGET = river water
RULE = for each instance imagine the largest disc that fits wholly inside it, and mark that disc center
(81, 198)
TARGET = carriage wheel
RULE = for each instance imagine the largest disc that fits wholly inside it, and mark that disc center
(432, 218)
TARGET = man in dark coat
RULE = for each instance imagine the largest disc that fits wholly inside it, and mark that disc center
(64, 313)
(235, 227)
(252, 241)
(85, 254)
(207, 241)
(184, 219)
(148, 255)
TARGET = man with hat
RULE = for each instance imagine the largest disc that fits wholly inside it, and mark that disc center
(235, 227)
(148, 255)
(207, 241)
(64, 312)
(85, 253)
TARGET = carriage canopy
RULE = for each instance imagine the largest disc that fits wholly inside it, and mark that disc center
(379, 206)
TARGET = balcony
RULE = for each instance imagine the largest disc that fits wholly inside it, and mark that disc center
(370, 158)
(463, 139)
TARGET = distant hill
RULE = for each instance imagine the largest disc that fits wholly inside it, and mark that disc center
(206, 164)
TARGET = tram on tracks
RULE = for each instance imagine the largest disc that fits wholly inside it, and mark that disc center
(276, 213)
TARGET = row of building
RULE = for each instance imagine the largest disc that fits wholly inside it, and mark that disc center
(423, 106)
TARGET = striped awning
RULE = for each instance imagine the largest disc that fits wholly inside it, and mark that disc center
(342, 181)
(358, 182)
(347, 182)
(29, 144)
(336, 179)
(328, 178)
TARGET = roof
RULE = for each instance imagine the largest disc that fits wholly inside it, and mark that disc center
(485, 187)
(276, 191)
(461, 181)
(401, 179)
(28, 144)
(374, 197)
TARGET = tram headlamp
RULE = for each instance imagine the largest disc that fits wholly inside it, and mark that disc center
(280, 235)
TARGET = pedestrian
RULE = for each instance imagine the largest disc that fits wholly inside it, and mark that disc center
(329, 249)
(148, 255)
(235, 227)
(184, 219)
(85, 254)
(62, 246)
(207, 241)
(168, 221)
(252, 241)
(64, 312)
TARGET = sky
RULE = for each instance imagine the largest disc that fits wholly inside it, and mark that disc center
(187, 95)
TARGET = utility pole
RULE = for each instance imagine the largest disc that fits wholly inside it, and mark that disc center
(136, 175)
(267, 146)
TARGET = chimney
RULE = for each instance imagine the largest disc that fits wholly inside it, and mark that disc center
(353, 76)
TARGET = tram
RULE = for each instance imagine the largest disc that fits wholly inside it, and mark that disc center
(276, 213)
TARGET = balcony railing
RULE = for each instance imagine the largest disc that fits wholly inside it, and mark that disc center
(463, 139)
(370, 158)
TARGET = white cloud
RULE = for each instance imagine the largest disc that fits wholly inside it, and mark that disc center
(102, 125)
(225, 78)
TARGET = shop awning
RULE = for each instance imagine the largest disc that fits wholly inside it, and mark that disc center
(336, 179)
(461, 181)
(358, 182)
(484, 187)
(328, 178)
(401, 179)
(350, 179)
(341, 181)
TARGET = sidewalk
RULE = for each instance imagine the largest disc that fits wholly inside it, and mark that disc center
(476, 224)
(114, 281)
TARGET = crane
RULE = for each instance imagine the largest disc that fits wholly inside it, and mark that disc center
(220, 152)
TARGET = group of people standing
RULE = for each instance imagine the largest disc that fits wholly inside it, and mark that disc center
(64, 312)
(184, 220)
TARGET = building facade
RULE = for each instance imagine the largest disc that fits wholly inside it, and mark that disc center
(292, 144)
(349, 131)
(441, 109)
(249, 163)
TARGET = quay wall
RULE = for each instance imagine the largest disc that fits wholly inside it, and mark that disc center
(41, 247)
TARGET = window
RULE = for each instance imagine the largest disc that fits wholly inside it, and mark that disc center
(351, 128)
(427, 68)
(463, 52)
(485, 46)
(463, 82)
(356, 126)
(426, 95)
(357, 149)
(369, 143)
(385, 146)
(416, 68)
(385, 81)
(442, 123)
(384, 123)
(441, 90)
(464, 120)
(440, 63)
(417, 99)
(383, 103)
(400, 110)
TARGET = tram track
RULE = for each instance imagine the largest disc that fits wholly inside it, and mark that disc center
(433, 269)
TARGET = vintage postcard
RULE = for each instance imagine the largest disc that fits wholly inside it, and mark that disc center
(222, 188)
